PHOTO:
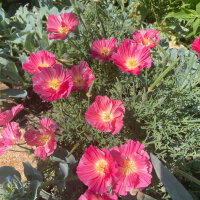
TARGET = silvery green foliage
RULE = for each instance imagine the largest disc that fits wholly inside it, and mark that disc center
(158, 119)
(63, 163)
(12, 187)
(161, 119)
(173, 186)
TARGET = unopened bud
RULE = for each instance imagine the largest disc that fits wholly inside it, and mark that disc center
(150, 90)
(88, 94)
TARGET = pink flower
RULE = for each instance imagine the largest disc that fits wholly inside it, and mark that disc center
(61, 25)
(145, 38)
(8, 115)
(106, 114)
(89, 195)
(53, 83)
(134, 167)
(82, 76)
(11, 131)
(5, 145)
(96, 169)
(43, 139)
(103, 49)
(38, 61)
(196, 45)
(131, 57)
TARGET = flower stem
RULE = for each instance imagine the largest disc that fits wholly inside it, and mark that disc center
(89, 93)
(162, 75)
(73, 149)
(24, 147)
(18, 151)
(188, 176)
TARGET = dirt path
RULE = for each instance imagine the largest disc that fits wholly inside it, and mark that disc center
(12, 158)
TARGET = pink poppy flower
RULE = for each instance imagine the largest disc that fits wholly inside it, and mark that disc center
(132, 58)
(145, 38)
(61, 25)
(53, 83)
(11, 131)
(8, 115)
(82, 76)
(106, 114)
(89, 195)
(38, 61)
(134, 167)
(5, 145)
(43, 139)
(196, 45)
(96, 169)
(103, 49)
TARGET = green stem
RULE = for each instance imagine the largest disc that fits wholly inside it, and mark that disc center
(162, 50)
(63, 63)
(13, 57)
(188, 176)
(18, 151)
(76, 47)
(24, 147)
(163, 74)
(21, 143)
(73, 149)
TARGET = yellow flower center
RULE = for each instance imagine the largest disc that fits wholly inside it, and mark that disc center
(44, 139)
(132, 63)
(129, 167)
(100, 166)
(146, 42)
(55, 84)
(63, 29)
(105, 51)
(43, 65)
(78, 81)
(106, 116)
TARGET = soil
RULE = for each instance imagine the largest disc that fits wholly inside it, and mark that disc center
(27, 118)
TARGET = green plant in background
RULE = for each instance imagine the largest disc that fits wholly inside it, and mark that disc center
(188, 17)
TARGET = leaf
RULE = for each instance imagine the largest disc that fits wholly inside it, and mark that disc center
(62, 174)
(54, 11)
(64, 170)
(10, 70)
(71, 159)
(196, 25)
(34, 185)
(15, 93)
(32, 173)
(47, 196)
(23, 58)
(6, 171)
(4, 100)
(3, 61)
(183, 15)
(173, 53)
(2, 14)
(172, 185)
(18, 184)
(28, 45)
(60, 154)
(198, 8)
